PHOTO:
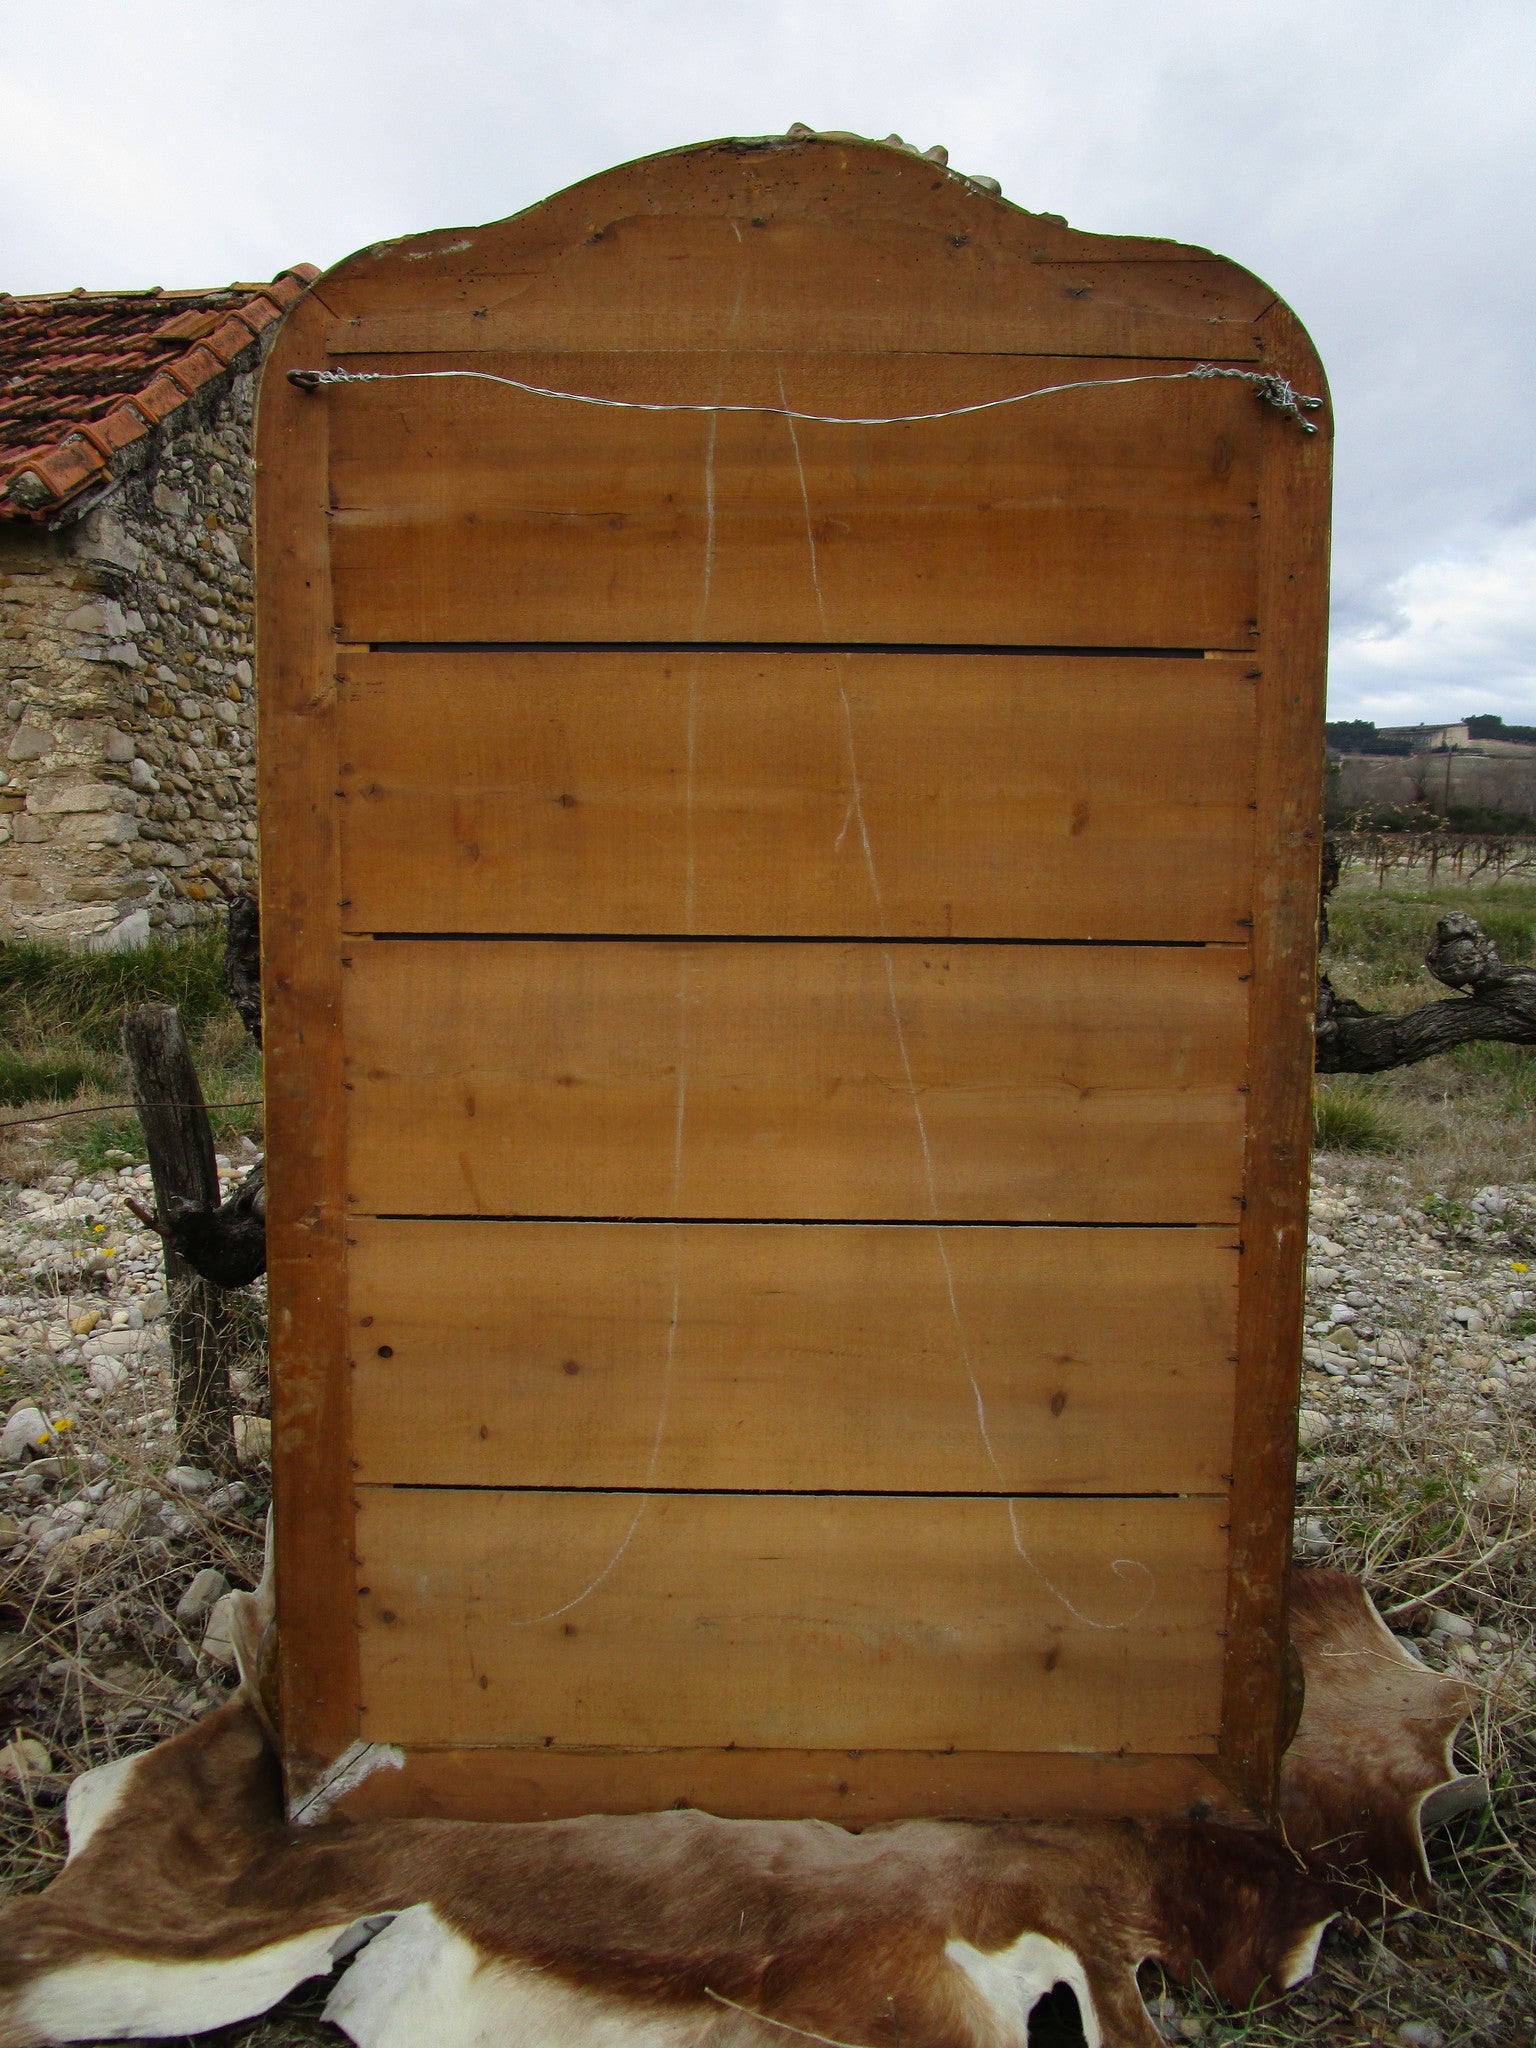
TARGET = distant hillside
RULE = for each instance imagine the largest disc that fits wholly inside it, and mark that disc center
(1486, 729)
(1489, 786)
(1360, 736)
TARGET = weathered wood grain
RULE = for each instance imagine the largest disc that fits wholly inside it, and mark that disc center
(675, 281)
(761, 1620)
(990, 796)
(305, 1127)
(789, 1358)
(821, 1081)
(1295, 509)
(793, 184)
(856, 1787)
(1119, 517)
(758, 979)
(179, 1140)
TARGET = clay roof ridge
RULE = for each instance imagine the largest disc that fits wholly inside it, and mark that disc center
(37, 480)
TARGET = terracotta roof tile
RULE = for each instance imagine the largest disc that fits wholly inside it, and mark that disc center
(230, 336)
(83, 374)
(188, 326)
(289, 286)
(119, 427)
(69, 467)
(195, 369)
(159, 398)
(260, 312)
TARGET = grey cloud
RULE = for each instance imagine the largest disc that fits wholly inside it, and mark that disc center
(1372, 162)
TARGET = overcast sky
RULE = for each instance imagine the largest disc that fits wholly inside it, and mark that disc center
(1373, 160)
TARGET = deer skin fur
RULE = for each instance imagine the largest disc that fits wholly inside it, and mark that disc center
(190, 1900)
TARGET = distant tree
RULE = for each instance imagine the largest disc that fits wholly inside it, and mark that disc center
(1359, 736)
(1488, 725)
(1351, 735)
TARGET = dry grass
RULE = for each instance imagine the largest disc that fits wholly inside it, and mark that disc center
(1350, 1114)
(96, 1664)
(1402, 1510)
(1399, 1506)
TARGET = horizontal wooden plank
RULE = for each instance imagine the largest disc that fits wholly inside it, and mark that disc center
(833, 1080)
(552, 1620)
(990, 796)
(792, 1357)
(686, 282)
(1113, 517)
(857, 1788)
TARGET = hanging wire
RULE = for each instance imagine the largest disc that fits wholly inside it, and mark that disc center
(1268, 385)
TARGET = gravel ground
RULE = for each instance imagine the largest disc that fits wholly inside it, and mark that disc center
(1418, 1404)
(1420, 1322)
(113, 1554)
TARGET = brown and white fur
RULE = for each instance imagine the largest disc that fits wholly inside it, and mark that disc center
(190, 1900)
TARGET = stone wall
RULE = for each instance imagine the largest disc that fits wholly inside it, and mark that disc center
(129, 800)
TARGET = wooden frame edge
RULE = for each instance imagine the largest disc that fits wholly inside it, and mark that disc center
(301, 993)
(1293, 621)
(850, 1788)
(302, 973)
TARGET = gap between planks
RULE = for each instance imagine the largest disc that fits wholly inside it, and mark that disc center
(772, 1222)
(784, 939)
(917, 647)
(771, 1492)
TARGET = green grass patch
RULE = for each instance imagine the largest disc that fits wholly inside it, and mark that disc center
(47, 1077)
(61, 1031)
(1390, 931)
(1350, 1115)
(1512, 1069)
(229, 1067)
(91, 1138)
(47, 990)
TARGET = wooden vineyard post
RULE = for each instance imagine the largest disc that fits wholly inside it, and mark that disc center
(179, 1138)
(789, 916)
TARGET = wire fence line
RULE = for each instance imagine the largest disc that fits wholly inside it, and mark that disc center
(54, 1116)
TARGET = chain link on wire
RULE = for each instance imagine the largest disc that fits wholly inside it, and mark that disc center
(1274, 389)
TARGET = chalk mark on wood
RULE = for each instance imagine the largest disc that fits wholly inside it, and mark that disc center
(1119, 1566)
(709, 520)
(670, 1358)
(805, 500)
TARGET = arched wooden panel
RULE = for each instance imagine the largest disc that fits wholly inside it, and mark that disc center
(790, 950)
